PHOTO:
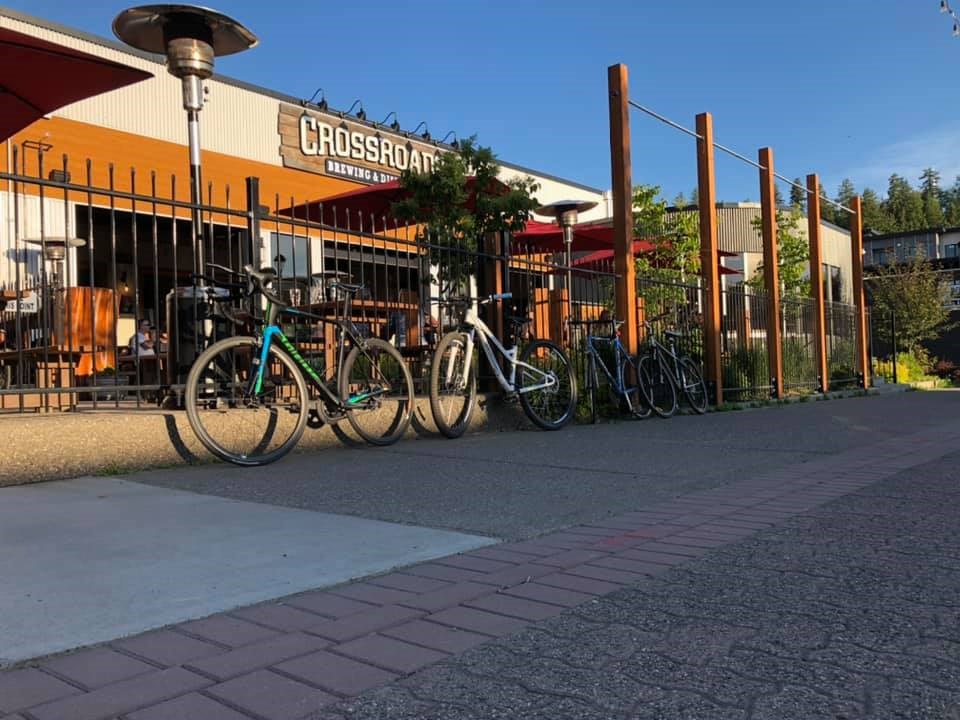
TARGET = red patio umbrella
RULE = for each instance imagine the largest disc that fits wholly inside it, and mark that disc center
(542, 237)
(356, 208)
(38, 76)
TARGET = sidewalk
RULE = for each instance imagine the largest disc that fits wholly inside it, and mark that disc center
(824, 588)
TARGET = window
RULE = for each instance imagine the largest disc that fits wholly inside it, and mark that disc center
(832, 283)
(289, 255)
(950, 251)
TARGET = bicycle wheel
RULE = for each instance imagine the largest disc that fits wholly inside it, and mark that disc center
(639, 405)
(659, 389)
(377, 389)
(453, 385)
(548, 407)
(239, 426)
(694, 388)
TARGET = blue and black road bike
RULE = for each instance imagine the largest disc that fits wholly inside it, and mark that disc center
(622, 375)
(247, 396)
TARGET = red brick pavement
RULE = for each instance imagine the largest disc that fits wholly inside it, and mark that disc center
(283, 659)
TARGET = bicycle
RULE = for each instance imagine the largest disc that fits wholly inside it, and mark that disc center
(624, 380)
(247, 398)
(665, 373)
(545, 385)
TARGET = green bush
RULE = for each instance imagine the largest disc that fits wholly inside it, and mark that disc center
(798, 365)
(745, 373)
(911, 367)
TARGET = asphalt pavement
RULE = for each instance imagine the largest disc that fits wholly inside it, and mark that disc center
(522, 484)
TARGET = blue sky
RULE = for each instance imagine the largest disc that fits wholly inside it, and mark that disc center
(845, 88)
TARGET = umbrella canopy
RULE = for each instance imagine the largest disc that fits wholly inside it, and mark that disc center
(38, 76)
(356, 208)
(543, 237)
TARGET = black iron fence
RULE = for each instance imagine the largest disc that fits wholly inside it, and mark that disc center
(743, 340)
(103, 303)
(798, 333)
(840, 321)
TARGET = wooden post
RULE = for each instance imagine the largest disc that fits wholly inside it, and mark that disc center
(709, 254)
(816, 278)
(771, 270)
(856, 252)
(626, 291)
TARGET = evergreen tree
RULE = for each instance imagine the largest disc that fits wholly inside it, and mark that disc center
(904, 206)
(874, 214)
(680, 200)
(695, 195)
(952, 204)
(845, 195)
(777, 196)
(931, 195)
(828, 213)
(798, 196)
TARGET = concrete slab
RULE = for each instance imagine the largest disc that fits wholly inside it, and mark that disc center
(92, 559)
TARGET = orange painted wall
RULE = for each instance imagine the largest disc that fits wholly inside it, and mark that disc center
(81, 141)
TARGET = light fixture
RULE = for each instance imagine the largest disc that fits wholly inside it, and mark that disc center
(565, 212)
(395, 125)
(191, 38)
(361, 114)
(323, 100)
(426, 131)
(455, 143)
(944, 7)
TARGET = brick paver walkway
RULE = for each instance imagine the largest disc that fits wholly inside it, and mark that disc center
(291, 658)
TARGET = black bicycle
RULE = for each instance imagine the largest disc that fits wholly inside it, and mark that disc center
(664, 373)
(247, 397)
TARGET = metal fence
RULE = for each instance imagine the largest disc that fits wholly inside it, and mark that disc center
(102, 306)
(798, 333)
(743, 340)
(841, 330)
(674, 306)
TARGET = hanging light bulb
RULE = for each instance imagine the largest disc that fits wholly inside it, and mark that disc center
(944, 7)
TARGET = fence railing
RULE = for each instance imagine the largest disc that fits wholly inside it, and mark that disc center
(114, 315)
(840, 321)
(798, 337)
(743, 340)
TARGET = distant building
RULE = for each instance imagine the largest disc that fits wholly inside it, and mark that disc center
(938, 246)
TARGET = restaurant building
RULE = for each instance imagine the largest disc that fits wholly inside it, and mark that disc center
(132, 141)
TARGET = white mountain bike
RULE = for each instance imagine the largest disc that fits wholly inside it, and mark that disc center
(541, 379)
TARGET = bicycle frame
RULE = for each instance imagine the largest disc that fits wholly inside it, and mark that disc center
(273, 331)
(617, 382)
(477, 328)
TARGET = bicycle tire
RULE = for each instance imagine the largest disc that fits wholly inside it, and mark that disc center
(377, 420)
(694, 387)
(640, 406)
(217, 387)
(539, 405)
(448, 386)
(656, 377)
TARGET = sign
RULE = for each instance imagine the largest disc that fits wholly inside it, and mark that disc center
(29, 305)
(327, 144)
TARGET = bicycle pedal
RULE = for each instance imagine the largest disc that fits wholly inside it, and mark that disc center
(511, 398)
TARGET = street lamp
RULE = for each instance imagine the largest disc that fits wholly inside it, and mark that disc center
(190, 37)
(565, 212)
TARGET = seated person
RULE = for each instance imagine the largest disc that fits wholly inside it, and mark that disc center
(142, 343)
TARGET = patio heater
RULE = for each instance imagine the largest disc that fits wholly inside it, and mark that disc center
(191, 38)
(565, 212)
(55, 252)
